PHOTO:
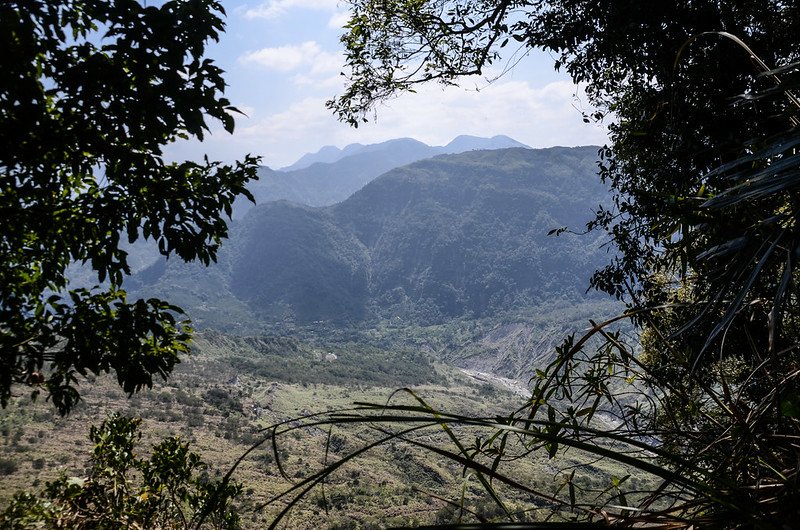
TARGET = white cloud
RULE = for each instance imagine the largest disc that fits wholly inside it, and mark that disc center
(305, 120)
(538, 116)
(339, 19)
(283, 58)
(292, 57)
(328, 85)
(326, 63)
(273, 9)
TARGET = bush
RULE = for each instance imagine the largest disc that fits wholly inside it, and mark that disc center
(222, 400)
(8, 466)
(194, 420)
(171, 489)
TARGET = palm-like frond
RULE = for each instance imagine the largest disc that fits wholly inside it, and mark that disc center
(760, 209)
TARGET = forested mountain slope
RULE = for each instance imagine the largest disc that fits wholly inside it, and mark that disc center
(331, 175)
(454, 236)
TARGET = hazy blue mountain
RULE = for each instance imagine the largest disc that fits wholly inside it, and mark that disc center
(453, 236)
(471, 143)
(326, 155)
(270, 184)
(467, 234)
(331, 175)
(297, 258)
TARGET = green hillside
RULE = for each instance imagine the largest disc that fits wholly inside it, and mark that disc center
(467, 234)
(456, 236)
(332, 175)
(295, 260)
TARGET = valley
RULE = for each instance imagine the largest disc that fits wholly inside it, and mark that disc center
(229, 393)
(210, 322)
(438, 276)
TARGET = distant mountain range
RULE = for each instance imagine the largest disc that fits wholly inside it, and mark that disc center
(330, 154)
(453, 236)
(331, 174)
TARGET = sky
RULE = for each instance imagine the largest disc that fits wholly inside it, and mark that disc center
(283, 60)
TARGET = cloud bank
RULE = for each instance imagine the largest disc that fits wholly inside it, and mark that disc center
(540, 117)
(274, 9)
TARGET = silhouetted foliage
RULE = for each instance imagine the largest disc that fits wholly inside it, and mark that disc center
(92, 92)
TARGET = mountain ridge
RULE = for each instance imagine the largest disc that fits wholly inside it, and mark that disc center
(456, 236)
(323, 183)
(330, 153)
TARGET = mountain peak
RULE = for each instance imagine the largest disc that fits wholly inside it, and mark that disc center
(330, 154)
(467, 142)
(453, 236)
(325, 155)
(332, 174)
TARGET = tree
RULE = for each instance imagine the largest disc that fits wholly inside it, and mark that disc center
(170, 489)
(92, 92)
(703, 162)
(664, 75)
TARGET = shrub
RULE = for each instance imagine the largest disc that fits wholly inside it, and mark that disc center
(8, 466)
(170, 489)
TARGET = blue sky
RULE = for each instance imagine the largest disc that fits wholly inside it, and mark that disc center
(283, 58)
